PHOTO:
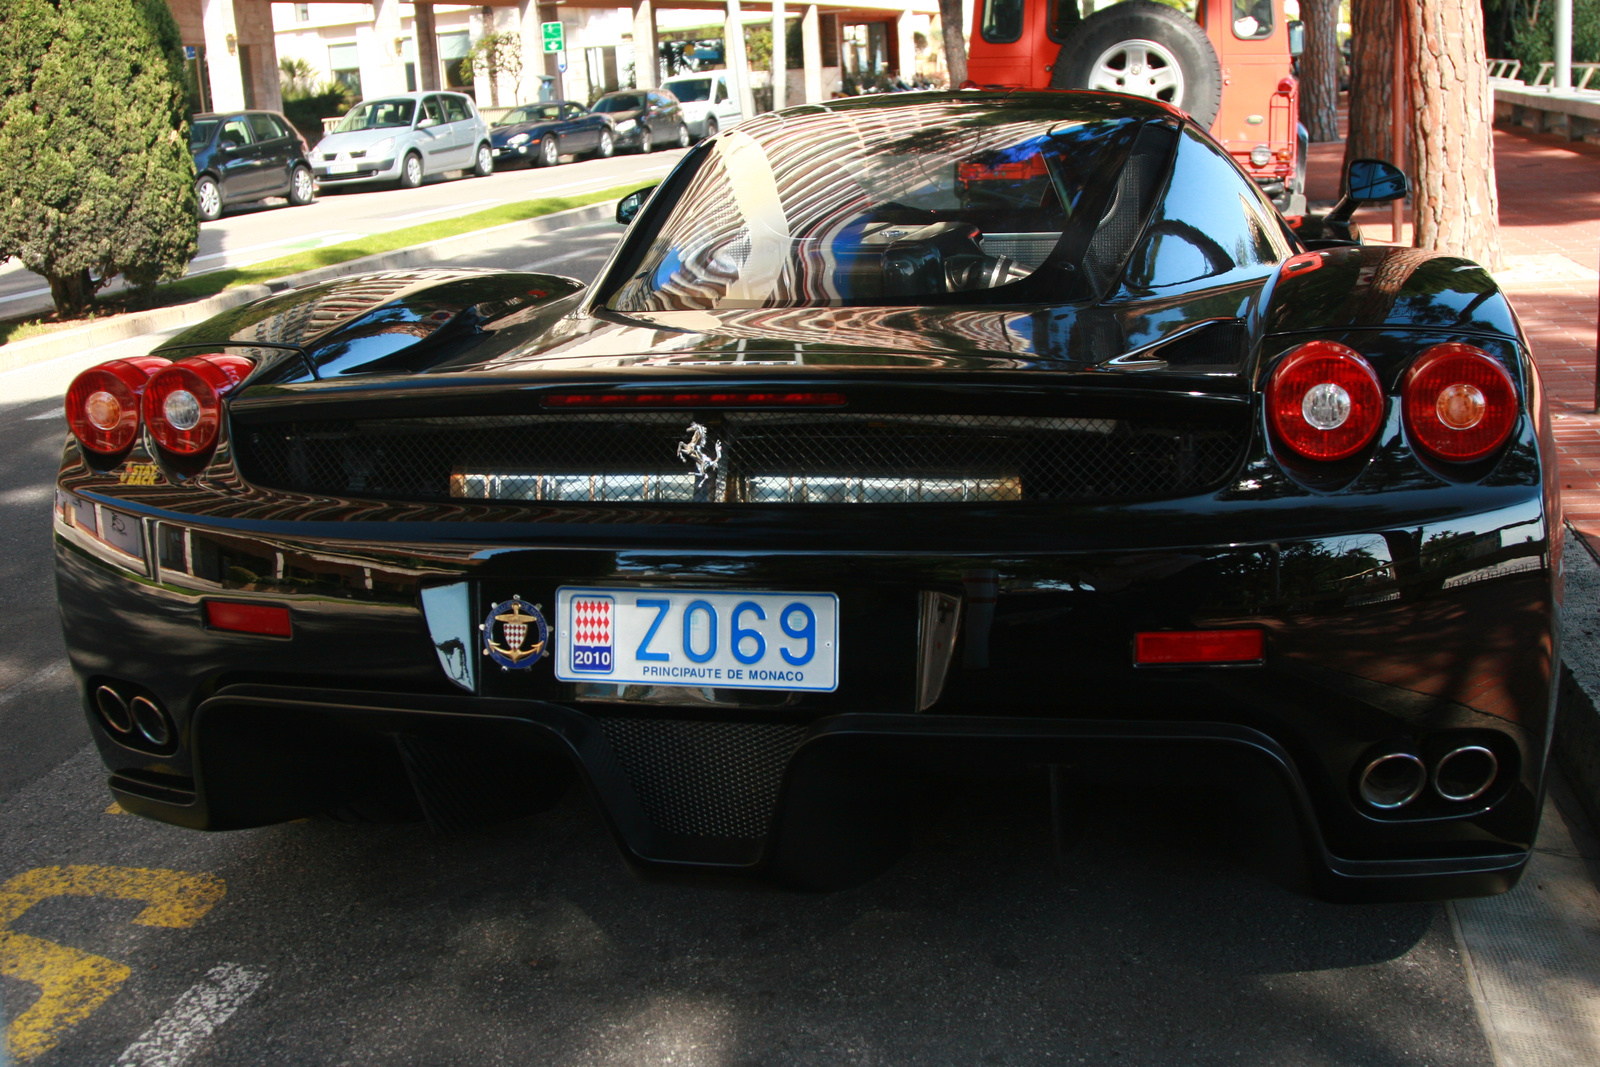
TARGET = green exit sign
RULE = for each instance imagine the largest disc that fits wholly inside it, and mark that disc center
(554, 36)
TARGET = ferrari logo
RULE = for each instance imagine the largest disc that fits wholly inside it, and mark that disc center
(694, 451)
(522, 633)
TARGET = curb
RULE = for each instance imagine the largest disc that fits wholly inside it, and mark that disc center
(50, 345)
(1577, 735)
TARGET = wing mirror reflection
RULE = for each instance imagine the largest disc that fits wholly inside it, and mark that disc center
(629, 205)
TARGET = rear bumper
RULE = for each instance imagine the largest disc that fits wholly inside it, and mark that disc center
(1365, 647)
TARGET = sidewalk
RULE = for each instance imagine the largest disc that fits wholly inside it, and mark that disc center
(1550, 231)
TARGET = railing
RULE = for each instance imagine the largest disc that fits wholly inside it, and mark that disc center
(1505, 68)
(1587, 68)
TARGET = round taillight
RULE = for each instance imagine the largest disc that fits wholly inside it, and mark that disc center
(1324, 401)
(102, 404)
(1459, 402)
(183, 403)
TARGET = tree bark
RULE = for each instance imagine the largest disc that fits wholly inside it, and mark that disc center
(72, 294)
(955, 41)
(1455, 204)
(1319, 70)
(1372, 37)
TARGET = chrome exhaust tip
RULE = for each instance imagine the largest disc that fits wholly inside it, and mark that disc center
(151, 721)
(1392, 780)
(1465, 772)
(113, 711)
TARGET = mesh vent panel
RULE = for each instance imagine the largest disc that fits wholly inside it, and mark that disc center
(760, 458)
(705, 779)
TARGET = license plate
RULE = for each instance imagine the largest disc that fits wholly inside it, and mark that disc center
(341, 168)
(698, 638)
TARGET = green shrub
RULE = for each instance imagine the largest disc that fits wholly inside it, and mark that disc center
(98, 180)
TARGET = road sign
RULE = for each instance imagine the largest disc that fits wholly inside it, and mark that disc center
(554, 35)
(561, 62)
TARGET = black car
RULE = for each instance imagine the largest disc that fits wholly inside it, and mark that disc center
(904, 439)
(645, 119)
(543, 133)
(241, 156)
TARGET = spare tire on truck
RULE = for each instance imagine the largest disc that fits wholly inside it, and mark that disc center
(1144, 49)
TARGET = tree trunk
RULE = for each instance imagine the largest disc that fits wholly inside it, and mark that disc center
(73, 294)
(1319, 70)
(1455, 205)
(955, 41)
(1372, 36)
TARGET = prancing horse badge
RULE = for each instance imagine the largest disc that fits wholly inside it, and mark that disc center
(515, 634)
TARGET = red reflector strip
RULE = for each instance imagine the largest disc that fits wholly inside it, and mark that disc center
(694, 400)
(1198, 646)
(247, 618)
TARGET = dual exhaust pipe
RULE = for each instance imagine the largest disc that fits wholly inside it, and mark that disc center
(1394, 778)
(138, 720)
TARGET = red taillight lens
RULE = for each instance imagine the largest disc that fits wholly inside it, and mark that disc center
(1172, 647)
(183, 403)
(1459, 403)
(784, 399)
(1324, 401)
(103, 403)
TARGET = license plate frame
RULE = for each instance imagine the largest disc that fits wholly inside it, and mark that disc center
(342, 168)
(617, 640)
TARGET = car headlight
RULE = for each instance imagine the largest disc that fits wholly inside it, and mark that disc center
(381, 148)
(625, 125)
(1260, 155)
(519, 139)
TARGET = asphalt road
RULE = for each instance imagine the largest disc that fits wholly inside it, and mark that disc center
(269, 229)
(1159, 942)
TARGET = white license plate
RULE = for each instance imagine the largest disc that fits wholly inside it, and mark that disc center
(341, 168)
(698, 638)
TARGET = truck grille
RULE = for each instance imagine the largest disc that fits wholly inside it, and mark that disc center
(743, 458)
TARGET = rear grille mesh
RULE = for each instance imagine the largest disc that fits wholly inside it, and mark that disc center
(760, 458)
(705, 779)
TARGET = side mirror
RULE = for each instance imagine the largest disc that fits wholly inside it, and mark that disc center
(629, 205)
(1372, 181)
(1297, 37)
(426, 123)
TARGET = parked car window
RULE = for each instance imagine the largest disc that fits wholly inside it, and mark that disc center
(431, 110)
(377, 115)
(535, 113)
(825, 210)
(236, 131)
(1193, 237)
(455, 108)
(722, 92)
(1002, 21)
(265, 128)
(200, 132)
(620, 102)
(1252, 19)
(691, 90)
(572, 111)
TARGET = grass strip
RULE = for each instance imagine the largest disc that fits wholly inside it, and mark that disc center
(211, 283)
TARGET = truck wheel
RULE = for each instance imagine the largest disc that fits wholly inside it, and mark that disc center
(1147, 49)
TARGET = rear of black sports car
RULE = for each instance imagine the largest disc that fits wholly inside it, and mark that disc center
(763, 578)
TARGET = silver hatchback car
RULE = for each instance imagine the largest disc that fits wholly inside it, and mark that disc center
(404, 139)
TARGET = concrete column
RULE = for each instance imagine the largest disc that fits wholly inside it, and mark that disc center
(1563, 44)
(222, 55)
(780, 57)
(646, 46)
(811, 53)
(738, 61)
(532, 50)
(906, 47)
(383, 69)
(427, 32)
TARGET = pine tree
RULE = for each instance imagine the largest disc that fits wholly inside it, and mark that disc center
(96, 178)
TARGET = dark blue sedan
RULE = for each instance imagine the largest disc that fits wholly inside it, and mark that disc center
(543, 133)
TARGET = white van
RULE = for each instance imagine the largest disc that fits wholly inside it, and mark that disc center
(709, 103)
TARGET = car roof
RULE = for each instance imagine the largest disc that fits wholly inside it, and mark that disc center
(229, 114)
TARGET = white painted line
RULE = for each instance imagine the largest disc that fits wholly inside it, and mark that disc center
(442, 210)
(24, 296)
(195, 1016)
(574, 254)
(265, 244)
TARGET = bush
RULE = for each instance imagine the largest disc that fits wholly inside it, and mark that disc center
(98, 180)
(1534, 42)
(306, 108)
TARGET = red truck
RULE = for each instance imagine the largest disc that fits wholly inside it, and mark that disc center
(1229, 67)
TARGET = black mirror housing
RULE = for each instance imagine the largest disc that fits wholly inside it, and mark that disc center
(629, 205)
(1374, 181)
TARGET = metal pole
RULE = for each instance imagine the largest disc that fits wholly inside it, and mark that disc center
(1397, 119)
(1563, 44)
(780, 56)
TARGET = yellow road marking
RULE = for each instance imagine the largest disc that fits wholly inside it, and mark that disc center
(73, 984)
(115, 809)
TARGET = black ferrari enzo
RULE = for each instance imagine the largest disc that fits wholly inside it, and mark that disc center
(902, 439)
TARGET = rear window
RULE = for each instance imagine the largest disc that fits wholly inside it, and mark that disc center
(934, 203)
(200, 132)
(690, 90)
(613, 104)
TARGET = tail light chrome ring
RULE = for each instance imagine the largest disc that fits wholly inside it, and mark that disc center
(1324, 401)
(1459, 403)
